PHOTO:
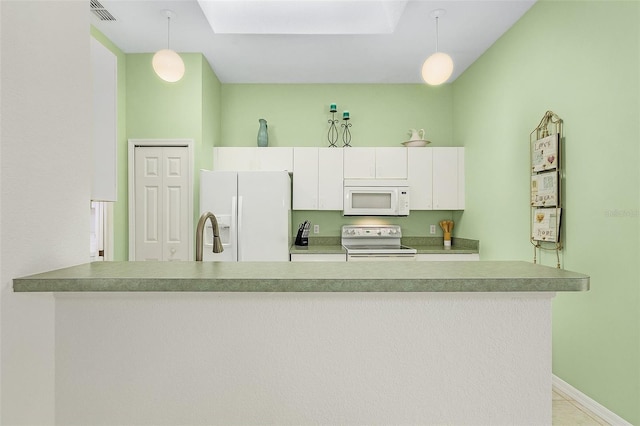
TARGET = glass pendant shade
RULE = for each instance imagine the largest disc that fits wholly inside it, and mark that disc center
(168, 65)
(437, 68)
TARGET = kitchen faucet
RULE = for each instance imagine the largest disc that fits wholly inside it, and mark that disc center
(217, 244)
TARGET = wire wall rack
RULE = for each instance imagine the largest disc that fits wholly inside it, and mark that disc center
(546, 186)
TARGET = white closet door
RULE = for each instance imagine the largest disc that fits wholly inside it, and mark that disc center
(162, 203)
(176, 204)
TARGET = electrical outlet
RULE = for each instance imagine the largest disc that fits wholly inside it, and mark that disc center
(432, 230)
(316, 229)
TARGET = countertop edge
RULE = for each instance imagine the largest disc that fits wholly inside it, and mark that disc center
(472, 277)
(293, 286)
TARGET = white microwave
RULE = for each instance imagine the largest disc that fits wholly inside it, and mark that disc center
(376, 197)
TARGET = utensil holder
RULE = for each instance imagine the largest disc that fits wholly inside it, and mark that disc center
(447, 240)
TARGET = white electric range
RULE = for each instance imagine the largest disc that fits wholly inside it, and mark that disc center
(375, 242)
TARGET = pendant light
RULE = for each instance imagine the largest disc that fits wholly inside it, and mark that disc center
(167, 63)
(438, 67)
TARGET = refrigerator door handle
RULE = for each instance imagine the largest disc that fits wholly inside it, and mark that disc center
(234, 229)
(239, 233)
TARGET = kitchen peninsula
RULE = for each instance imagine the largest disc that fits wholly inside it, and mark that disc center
(288, 342)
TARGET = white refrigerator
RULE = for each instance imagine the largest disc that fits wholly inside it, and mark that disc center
(253, 210)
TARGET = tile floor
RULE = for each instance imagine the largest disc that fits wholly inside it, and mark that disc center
(567, 412)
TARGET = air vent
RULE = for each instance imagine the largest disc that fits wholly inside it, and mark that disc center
(98, 9)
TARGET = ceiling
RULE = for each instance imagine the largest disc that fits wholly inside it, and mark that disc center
(395, 55)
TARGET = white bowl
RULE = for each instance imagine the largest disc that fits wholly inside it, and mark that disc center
(420, 142)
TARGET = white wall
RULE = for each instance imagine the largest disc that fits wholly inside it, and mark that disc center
(45, 184)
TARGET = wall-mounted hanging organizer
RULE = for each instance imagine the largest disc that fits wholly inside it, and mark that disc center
(546, 148)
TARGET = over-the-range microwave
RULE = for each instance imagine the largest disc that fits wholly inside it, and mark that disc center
(376, 197)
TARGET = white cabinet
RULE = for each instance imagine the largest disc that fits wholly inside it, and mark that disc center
(420, 176)
(104, 66)
(253, 158)
(448, 178)
(391, 163)
(435, 175)
(319, 257)
(451, 257)
(359, 163)
(375, 163)
(317, 179)
(436, 178)
(305, 178)
(330, 179)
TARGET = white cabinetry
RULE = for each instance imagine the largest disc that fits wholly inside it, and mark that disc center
(104, 66)
(436, 175)
(451, 257)
(420, 175)
(359, 163)
(253, 159)
(375, 163)
(330, 179)
(391, 163)
(305, 178)
(448, 178)
(319, 257)
(436, 178)
(317, 179)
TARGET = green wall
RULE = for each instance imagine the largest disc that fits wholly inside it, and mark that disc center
(151, 108)
(580, 60)
(187, 109)
(381, 115)
(297, 114)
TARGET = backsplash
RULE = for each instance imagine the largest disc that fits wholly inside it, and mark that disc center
(330, 222)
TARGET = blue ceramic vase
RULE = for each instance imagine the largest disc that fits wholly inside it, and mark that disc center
(263, 136)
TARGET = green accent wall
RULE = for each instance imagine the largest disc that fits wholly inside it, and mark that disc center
(297, 114)
(580, 60)
(381, 115)
(187, 109)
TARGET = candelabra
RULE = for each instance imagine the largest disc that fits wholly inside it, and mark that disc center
(332, 135)
(346, 133)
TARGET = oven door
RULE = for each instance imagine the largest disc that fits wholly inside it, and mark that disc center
(370, 201)
(380, 257)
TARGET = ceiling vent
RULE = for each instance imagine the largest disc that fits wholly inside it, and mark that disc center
(102, 13)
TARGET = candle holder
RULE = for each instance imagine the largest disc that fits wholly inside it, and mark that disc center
(346, 133)
(332, 135)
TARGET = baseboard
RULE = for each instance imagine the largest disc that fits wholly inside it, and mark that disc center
(596, 408)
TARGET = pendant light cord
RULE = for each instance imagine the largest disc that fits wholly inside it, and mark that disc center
(168, 32)
(437, 49)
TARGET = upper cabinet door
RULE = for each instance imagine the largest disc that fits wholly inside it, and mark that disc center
(420, 175)
(104, 66)
(448, 178)
(317, 179)
(242, 159)
(305, 178)
(359, 163)
(330, 179)
(375, 163)
(391, 163)
(275, 158)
